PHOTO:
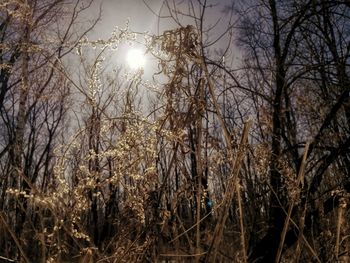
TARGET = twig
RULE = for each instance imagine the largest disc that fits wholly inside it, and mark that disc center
(14, 238)
(193, 226)
(234, 183)
(341, 209)
(187, 255)
(7, 259)
(300, 180)
(233, 186)
(313, 252)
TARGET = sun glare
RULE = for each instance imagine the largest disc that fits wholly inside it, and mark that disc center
(136, 59)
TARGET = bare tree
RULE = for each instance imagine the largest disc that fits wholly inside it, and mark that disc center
(277, 38)
(30, 75)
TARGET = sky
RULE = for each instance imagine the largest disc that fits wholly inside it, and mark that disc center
(142, 19)
(117, 12)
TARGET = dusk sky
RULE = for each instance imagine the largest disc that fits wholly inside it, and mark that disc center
(142, 19)
(117, 12)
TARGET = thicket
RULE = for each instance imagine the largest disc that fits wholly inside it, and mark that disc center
(238, 150)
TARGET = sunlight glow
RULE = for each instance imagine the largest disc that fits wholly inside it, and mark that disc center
(136, 59)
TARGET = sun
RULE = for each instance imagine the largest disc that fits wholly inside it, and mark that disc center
(135, 59)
